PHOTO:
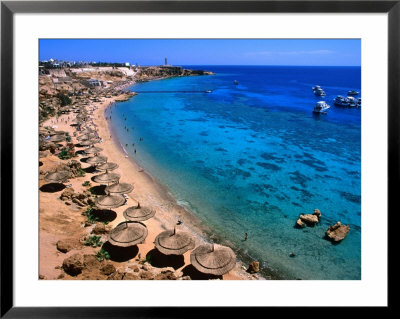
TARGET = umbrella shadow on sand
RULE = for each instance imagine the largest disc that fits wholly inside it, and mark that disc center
(80, 145)
(104, 215)
(194, 274)
(98, 189)
(83, 160)
(90, 169)
(160, 260)
(81, 152)
(52, 187)
(120, 254)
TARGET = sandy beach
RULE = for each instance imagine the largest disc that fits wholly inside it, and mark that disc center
(62, 221)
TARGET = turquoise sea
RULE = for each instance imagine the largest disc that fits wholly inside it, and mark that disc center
(252, 157)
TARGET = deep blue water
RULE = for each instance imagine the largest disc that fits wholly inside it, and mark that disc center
(252, 157)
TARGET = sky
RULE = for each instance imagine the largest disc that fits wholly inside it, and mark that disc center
(318, 52)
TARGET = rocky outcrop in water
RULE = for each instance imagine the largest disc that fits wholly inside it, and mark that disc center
(337, 232)
(254, 267)
(309, 219)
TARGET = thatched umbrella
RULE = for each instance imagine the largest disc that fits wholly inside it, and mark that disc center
(119, 188)
(92, 150)
(171, 242)
(57, 177)
(109, 201)
(88, 142)
(96, 160)
(106, 177)
(107, 166)
(87, 131)
(58, 132)
(128, 234)
(138, 213)
(57, 138)
(43, 131)
(86, 137)
(213, 259)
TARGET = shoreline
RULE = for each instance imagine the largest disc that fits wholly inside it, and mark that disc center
(175, 211)
(198, 227)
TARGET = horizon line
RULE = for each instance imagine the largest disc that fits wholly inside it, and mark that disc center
(225, 64)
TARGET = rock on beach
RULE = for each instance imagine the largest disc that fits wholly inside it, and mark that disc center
(73, 265)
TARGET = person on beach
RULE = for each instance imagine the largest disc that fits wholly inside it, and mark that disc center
(135, 150)
(246, 236)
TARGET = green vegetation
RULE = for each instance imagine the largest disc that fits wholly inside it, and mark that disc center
(64, 99)
(67, 152)
(147, 259)
(64, 154)
(46, 112)
(81, 172)
(94, 241)
(102, 255)
(86, 183)
(90, 217)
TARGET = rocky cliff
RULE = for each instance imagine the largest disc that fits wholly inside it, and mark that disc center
(153, 72)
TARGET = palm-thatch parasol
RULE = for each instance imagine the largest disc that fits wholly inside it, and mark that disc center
(57, 138)
(128, 234)
(96, 159)
(43, 131)
(213, 259)
(92, 150)
(88, 142)
(58, 132)
(87, 131)
(107, 166)
(138, 213)
(109, 201)
(106, 177)
(119, 188)
(57, 177)
(170, 242)
(86, 137)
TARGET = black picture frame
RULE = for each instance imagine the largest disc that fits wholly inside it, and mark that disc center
(9, 8)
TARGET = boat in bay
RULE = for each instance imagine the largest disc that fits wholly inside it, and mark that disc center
(321, 107)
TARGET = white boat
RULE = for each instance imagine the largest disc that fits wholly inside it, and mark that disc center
(321, 107)
(352, 92)
(352, 101)
(208, 91)
(318, 91)
(235, 82)
(341, 101)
